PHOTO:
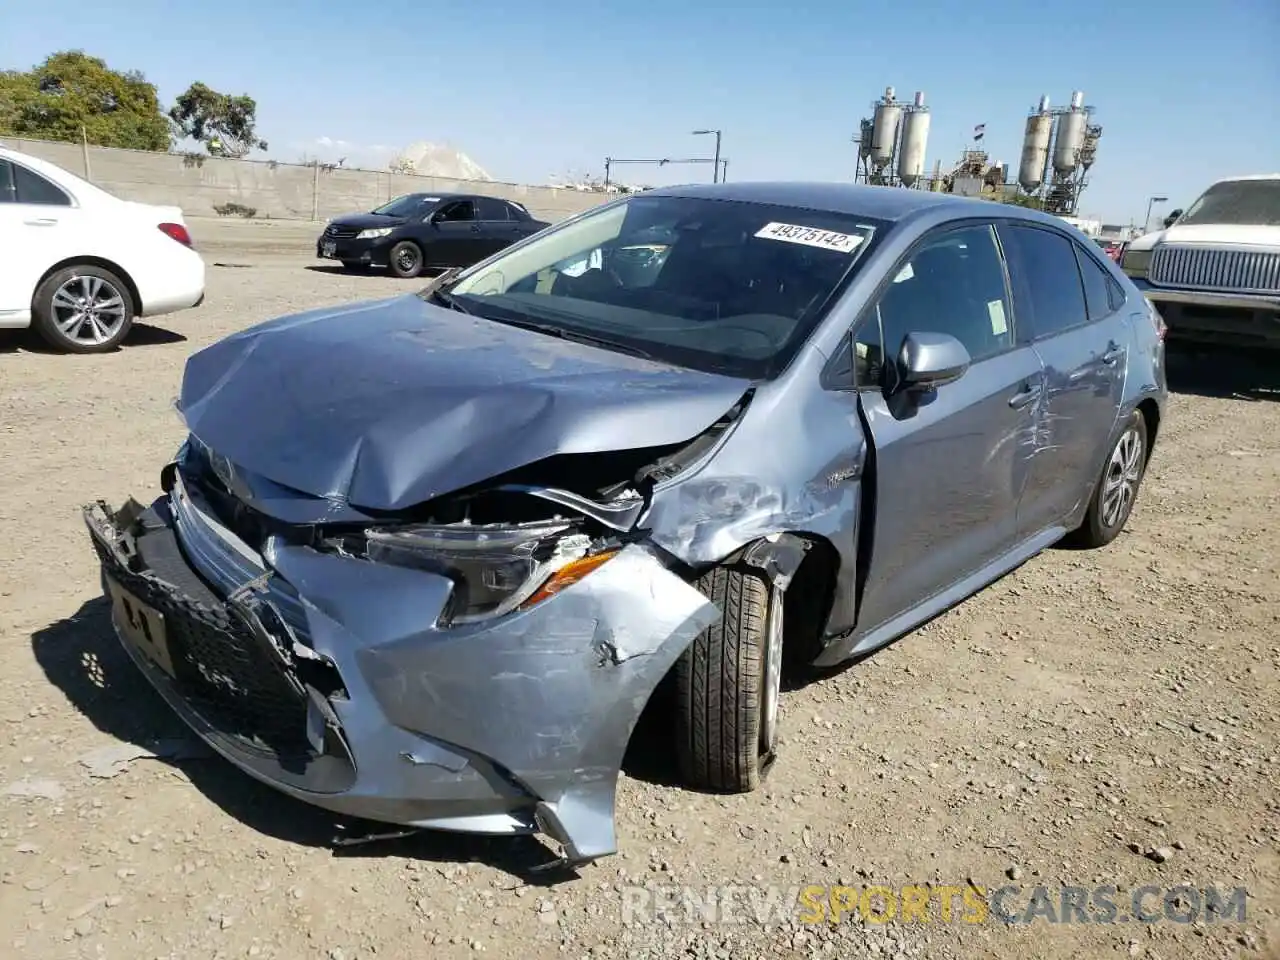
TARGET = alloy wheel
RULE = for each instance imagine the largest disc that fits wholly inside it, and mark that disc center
(1124, 470)
(88, 310)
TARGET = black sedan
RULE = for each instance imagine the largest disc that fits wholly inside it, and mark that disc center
(426, 231)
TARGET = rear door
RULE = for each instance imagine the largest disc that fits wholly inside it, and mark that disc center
(497, 227)
(950, 465)
(455, 235)
(1069, 313)
(39, 225)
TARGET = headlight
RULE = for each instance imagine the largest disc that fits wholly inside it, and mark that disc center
(373, 234)
(495, 568)
(1136, 262)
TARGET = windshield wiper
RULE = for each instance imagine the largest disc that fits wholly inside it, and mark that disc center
(435, 292)
(577, 337)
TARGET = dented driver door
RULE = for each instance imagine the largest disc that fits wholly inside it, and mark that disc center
(951, 462)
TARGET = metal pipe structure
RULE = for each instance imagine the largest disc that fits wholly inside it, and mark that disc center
(715, 171)
(610, 162)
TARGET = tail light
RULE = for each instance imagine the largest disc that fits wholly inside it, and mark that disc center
(177, 232)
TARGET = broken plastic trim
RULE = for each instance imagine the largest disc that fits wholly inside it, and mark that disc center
(699, 448)
(619, 514)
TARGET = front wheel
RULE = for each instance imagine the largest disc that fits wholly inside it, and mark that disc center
(728, 685)
(405, 259)
(83, 309)
(1117, 488)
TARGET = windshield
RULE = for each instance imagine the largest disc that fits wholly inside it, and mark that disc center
(716, 285)
(405, 206)
(1242, 202)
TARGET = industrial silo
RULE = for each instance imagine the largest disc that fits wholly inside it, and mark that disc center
(1070, 138)
(884, 129)
(1035, 147)
(915, 139)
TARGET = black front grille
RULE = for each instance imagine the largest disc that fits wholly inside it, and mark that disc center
(225, 673)
(340, 233)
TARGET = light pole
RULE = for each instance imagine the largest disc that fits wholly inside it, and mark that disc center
(715, 166)
(1146, 224)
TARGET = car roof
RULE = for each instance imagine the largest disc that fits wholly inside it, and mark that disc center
(1248, 176)
(450, 195)
(881, 203)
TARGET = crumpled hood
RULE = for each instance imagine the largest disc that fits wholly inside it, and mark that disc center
(390, 403)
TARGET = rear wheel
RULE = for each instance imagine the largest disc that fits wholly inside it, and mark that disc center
(405, 259)
(1117, 487)
(83, 309)
(728, 684)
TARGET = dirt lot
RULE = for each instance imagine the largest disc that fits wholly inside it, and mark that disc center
(1086, 711)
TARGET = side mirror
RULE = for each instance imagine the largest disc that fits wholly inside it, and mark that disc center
(1171, 219)
(930, 360)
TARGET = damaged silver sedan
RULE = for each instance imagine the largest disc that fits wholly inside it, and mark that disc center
(426, 560)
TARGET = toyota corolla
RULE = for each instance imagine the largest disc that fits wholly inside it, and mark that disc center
(427, 559)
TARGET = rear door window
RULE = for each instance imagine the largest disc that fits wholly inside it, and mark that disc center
(488, 208)
(1048, 294)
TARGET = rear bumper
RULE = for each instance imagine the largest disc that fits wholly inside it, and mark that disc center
(326, 677)
(179, 286)
(1226, 318)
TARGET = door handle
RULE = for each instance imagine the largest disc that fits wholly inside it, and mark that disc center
(1113, 353)
(1026, 395)
(45, 222)
(475, 228)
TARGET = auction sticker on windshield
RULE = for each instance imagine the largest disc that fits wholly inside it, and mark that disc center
(811, 237)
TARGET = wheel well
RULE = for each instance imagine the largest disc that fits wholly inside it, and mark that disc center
(94, 262)
(807, 601)
(1151, 415)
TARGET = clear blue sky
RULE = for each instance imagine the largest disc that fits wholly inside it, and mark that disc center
(1186, 90)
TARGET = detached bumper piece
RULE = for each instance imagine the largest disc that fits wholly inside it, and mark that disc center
(223, 666)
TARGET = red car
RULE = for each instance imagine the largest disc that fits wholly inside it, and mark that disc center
(1113, 248)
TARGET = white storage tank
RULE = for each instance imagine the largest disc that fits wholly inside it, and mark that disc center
(915, 140)
(884, 129)
(1035, 147)
(1071, 129)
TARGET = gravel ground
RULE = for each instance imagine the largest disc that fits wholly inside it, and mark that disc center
(1095, 718)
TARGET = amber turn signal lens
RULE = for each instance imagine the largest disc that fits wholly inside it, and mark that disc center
(567, 576)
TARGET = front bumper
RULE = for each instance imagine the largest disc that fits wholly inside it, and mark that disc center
(1231, 319)
(326, 677)
(368, 252)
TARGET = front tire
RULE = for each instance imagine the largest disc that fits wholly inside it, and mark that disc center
(728, 683)
(83, 309)
(405, 260)
(1117, 487)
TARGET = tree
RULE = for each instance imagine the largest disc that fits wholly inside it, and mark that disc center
(209, 117)
(73, 95)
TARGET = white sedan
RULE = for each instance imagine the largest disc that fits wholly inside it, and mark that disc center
(79, 265)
